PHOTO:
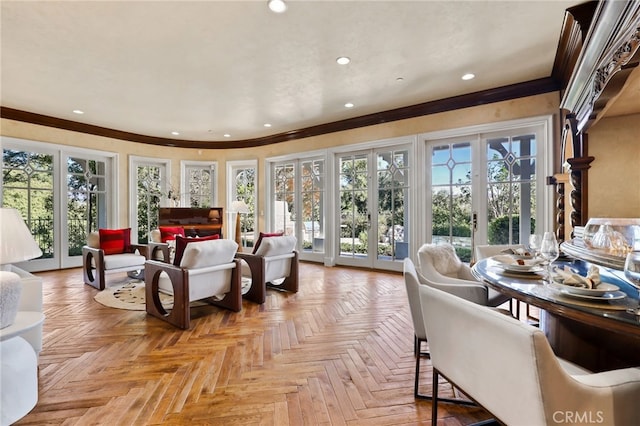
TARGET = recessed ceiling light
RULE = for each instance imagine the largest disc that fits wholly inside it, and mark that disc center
(468, 76)
(267, 125)
(77, 111)
(277, 6)
(399, 79)
(227, 135)
(343, 60)
(175, 133)
(348, 105)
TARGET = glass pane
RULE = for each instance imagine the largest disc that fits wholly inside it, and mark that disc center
(28, 187)
(461, 173)
(451, 198)
(511, 195)
(440, 154)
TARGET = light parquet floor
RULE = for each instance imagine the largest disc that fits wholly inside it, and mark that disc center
(338, 352)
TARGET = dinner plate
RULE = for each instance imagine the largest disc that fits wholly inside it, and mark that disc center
(605, 296)
(504, 262)
(599, 291)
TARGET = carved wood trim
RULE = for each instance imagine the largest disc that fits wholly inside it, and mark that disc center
(611, 51)
(575, 26)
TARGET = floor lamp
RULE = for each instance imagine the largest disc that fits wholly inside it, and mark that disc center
(239, 207)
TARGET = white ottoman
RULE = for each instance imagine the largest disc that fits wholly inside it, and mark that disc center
(18, 379)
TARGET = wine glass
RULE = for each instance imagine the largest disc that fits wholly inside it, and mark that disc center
(535, 241)
(549, 251)
(632, 274)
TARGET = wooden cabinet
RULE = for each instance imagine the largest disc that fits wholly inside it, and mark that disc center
(199, 222)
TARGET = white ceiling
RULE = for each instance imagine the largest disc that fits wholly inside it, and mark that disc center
(206, 68)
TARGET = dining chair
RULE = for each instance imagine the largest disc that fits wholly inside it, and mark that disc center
(439, 266)
(484, 251)
(420, 335)
(509, 368)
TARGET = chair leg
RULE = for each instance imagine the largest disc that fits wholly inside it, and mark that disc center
(434, 404)
(416, 394)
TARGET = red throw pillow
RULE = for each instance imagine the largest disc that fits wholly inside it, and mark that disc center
(265, 235)
(115, 241)
(168, 233)
(181, 245)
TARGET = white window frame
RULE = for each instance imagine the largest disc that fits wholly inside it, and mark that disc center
(184, 180)
(60, 154)
(134, 162)
(545, 193)
(233, 166)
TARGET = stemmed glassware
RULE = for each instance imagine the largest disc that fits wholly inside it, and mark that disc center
(632, 274)
(535, 241)
(549, 251)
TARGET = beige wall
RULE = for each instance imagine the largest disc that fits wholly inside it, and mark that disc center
(500, 111)
(614, 177)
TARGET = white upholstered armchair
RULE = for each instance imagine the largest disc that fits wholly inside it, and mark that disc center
(440, 267)
(110, 251)
(207, 271)
(274, 263)
(509, 368)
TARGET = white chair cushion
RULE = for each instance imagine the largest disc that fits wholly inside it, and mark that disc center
(124, 260)
(203, 282)
(275, 246)
(201, 254)
(443, 257)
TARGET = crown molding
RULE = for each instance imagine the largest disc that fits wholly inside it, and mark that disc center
(514, 91)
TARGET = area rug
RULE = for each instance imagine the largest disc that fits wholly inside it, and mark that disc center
(129, 296)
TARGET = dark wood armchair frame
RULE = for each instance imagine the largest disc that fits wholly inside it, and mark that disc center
(180, 314)
(257, 264)
(162, 248)
(95, 275)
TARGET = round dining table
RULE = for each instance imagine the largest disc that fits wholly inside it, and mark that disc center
(596, 333)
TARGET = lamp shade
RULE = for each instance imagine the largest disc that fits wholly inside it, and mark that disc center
(16, 242)
(239, 206)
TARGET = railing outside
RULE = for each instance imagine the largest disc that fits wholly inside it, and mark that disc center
(42, 231)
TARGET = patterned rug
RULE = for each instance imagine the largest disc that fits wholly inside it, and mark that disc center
(129, 296)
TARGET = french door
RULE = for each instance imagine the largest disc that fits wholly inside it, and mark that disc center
(298, 205)
(487, 188)
(61, 195)
(373, 224)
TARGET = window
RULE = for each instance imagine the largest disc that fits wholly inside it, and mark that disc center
(200, 183)
(148, 189)
(242, 181)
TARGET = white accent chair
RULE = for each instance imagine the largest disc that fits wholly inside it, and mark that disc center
(440, 267)
(509, 368)
(96, 264)
(274, 264)
(208, 271)
(420, 334)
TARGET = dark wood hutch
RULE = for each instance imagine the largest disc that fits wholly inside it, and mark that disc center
(599, 48)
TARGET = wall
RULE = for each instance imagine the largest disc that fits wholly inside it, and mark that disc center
(500, 111)
(614, 177)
